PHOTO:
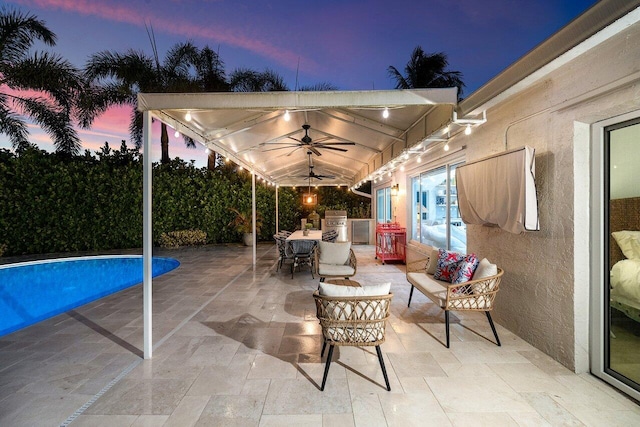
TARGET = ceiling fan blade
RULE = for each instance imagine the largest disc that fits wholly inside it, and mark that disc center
(334, 148)
(337, 143)
(316, 152)
(325, 176)
(280, 148)
(295, 139)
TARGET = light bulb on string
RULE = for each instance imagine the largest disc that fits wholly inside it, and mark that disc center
(446, 147)
(287, 116)
(385, 113)
(467, 131)
(187, 117)
(419, 159)
(177, 134)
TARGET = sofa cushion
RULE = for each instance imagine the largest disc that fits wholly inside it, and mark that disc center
(447, 265)
(435, 290)
(433, 261)
(331, 290)
(334, 253)
(466, 268)
(485, 269)
(335, 270)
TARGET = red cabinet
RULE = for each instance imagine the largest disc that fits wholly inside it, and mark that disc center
(390, 242)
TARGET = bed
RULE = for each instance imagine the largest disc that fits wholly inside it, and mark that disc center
(624, 256)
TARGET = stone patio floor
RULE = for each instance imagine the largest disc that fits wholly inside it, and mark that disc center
(238, 346)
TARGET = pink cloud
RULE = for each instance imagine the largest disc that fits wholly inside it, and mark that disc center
(174, 25)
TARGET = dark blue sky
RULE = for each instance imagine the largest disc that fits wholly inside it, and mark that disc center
(348, 43)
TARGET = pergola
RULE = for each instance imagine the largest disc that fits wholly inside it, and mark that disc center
(263, 133)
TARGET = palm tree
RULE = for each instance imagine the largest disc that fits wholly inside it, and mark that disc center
(41, 86)
(427, 70)
(122, 76)
(247, 80)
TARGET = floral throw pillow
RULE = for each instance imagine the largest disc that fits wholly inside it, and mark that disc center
(466, 267)
(447, 265)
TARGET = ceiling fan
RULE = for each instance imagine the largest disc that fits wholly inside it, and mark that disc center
(312, 174)
(311, 146)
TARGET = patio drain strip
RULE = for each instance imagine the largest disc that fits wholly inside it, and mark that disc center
(106, 388)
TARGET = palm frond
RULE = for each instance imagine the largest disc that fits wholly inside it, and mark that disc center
(13, 127)
(55, 123)
(18, 32)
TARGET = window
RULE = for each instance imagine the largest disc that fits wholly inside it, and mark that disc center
(383, 201)
(436, 219)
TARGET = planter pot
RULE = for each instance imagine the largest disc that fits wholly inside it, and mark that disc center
(247, 238)
(305, 232)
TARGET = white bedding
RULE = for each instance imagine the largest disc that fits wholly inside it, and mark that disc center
(625, 280)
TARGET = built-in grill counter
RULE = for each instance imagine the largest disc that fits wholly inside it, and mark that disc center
(336, 220)
(360, 231)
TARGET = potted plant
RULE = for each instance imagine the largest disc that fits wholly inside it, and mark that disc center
(242, 223)
(308, 226)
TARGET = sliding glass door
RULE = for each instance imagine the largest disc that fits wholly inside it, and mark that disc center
(622, 252)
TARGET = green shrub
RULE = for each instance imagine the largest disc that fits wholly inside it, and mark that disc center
(3, 248)
(52, 203)
(174, 239)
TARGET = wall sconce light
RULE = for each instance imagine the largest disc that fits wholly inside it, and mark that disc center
(395, 189)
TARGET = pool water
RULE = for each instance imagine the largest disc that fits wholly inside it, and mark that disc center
(31, 292)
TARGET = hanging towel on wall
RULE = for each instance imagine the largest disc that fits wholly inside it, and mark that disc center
(500, 190)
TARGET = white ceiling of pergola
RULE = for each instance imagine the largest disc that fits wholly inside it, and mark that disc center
(246, 127)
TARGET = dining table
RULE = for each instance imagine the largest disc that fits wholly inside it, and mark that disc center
(299, 235)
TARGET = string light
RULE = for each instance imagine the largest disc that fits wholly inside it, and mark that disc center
(402, 168)
(385, 113)
(467, 131)
(177, 134)
(446, 147)
(187, 117)
(419, 159)
(287, 116)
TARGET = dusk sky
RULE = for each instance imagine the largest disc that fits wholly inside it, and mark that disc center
(348, 43)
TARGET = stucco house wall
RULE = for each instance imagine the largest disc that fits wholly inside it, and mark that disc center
(544, 295)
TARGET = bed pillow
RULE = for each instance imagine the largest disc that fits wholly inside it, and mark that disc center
(334, 253)
(629, 242)
(433, 262)
(447, 265)
(465, 269)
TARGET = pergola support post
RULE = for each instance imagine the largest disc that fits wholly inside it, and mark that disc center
(253, 216)
(147, 241)
(277, 215)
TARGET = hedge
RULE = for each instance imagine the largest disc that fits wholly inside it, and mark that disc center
(54, 203)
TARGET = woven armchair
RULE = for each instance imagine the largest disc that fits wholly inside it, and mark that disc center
(343, 271)
(353, 321)
(474, 295)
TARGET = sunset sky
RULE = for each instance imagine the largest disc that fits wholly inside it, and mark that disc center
(347, 43)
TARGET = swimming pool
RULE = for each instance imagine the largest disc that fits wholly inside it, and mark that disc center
(34, 291)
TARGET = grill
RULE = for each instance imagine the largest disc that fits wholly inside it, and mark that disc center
(337, 220)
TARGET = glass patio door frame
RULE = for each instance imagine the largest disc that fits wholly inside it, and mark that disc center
(599, 304)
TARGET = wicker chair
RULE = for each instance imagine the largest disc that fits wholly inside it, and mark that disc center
(342, 271)
(353, 321)
(474, 295)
